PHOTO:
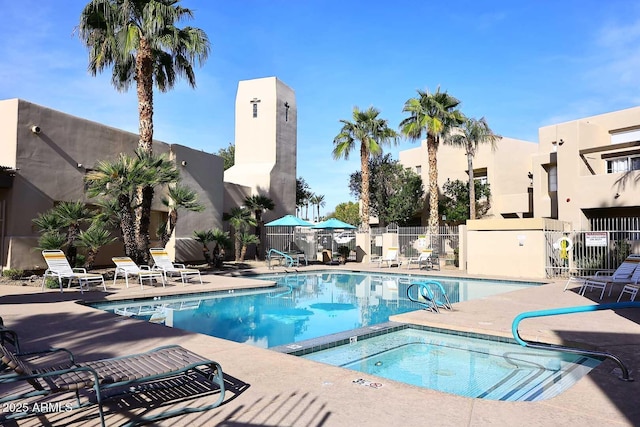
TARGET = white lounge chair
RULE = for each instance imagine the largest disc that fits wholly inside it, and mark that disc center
(603, 278)
(163, 263)
(424, 260)
(390, 258)
(59, 267)
(126, 267)
(632, 286)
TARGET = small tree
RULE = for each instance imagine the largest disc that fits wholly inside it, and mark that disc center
(455, 204)
(240, 219)
(348, 212)
(247, 239)
(93, 239)
(179, 197)
(228, 155)
(203, 237)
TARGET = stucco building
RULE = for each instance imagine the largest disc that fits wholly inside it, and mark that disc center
(44, 155)
(579, 170)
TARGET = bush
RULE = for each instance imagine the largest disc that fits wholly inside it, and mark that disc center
(52, 283)
(13, 274)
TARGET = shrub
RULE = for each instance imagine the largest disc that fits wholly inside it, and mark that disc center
(13, 274)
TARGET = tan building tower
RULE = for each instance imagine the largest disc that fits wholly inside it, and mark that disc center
(266, 143)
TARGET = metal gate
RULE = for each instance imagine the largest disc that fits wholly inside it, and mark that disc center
(582, 253)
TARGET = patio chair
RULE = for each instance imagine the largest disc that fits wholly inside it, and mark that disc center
(58, 267)
(632, 285)
(426, 260)
(296, 253)
(390, 258)
(622, 275)
(126, 267)
(96, 378)
(163, 263)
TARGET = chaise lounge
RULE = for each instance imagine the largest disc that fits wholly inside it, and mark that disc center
(98, 377)
(163, 263)
(59, 268)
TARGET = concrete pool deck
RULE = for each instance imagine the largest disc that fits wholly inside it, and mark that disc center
(266, 388)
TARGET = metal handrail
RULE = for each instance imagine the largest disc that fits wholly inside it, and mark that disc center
(432, 303)
(570, 310)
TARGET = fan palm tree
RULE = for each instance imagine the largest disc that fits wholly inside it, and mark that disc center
(94, 238)
(240, 219)
(48, 221)
(318, 201)
(72, 215)
(140, 41)
(372, 132)
(120, 180)
(223, 241)
(473, 133)
(203, 237)
(247, 239)
(259, 204)
(179, 197)
(433, 115)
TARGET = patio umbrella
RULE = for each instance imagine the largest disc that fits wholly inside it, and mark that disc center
(288, 221)
(333, 224)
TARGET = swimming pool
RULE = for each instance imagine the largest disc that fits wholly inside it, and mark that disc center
(469, 365)
(301, 307)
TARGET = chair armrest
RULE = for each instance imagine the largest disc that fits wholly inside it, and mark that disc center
(34, 356)
(604, 272)
(145, 267)
(178, 265)
(79, 270)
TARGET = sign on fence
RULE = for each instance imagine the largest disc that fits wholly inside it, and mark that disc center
(596, 239)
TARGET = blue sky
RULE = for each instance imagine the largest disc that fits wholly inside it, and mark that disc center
(521, 64)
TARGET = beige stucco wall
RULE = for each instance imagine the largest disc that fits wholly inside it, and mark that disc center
(508, 247)
(52, 164)
(507, 168)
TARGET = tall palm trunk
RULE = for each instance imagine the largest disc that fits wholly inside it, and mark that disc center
(432, 151)
(364, 167)
(144, 80)
(126, 226)
(72, 251)
(472, 186)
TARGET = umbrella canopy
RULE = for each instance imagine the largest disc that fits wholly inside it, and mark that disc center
(288, 221)
(333, 223)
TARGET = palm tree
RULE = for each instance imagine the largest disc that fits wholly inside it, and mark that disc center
(179, 197)
(94, 238)
(223, 241)
(247, 239)
(139, 39)
(120, 180)
(72, 215)
(473, 133)
(203, 237)
(48, 221)
(259, 204)
(372, 132)
(240, 218)
(433, 114)
(318, 201)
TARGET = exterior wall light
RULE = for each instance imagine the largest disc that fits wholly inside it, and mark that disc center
(36, 129)
(183, 163)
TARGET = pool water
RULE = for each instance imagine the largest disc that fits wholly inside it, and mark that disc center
(462, 365)
(300, 307)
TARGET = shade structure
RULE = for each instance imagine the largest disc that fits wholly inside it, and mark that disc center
(288, 221)
(332, 224)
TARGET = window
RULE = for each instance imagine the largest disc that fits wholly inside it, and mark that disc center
(255, 110)
(419, 170)
(553, 178)
(623, 164)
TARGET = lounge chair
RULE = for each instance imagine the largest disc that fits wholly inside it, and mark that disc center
(163, 263)
(59, 267)
(297, 254)
(390, 258)
(426, 259)
(98, 377)
(632, 286)
(603, 278)
(126, 267)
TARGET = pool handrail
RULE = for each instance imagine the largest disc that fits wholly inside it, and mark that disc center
(287, 257)
(432, 303)
(570, 310)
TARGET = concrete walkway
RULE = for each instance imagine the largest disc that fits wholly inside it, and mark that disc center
(266, 388)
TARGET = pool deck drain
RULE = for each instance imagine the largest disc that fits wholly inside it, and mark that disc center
(270, 388)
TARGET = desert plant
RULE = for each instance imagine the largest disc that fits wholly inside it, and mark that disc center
(13, 274)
